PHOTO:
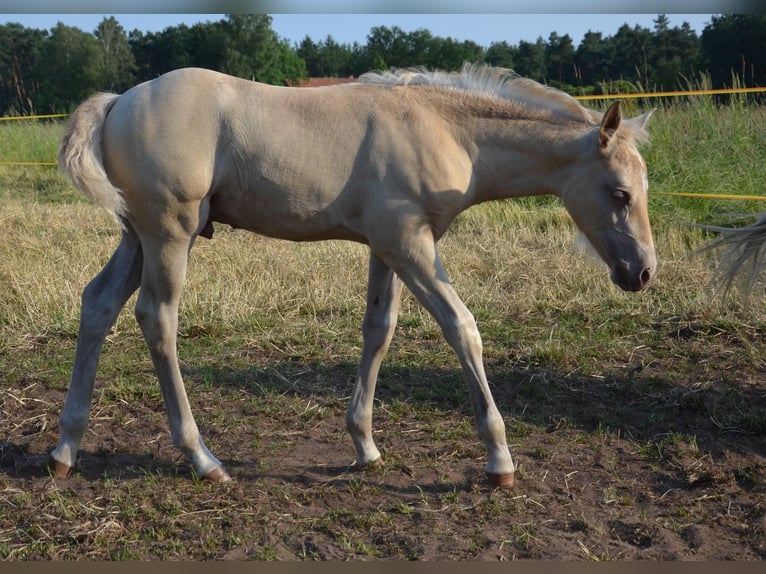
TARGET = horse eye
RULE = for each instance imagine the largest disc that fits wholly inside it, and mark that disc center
(622, 195)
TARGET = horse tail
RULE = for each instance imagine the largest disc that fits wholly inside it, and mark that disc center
(80, 156)
(744, 254)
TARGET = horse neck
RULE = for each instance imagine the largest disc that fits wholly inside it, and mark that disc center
(520, 157)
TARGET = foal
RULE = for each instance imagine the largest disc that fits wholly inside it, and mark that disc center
(388, 162)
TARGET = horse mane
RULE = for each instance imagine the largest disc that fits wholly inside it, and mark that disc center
(493, 82)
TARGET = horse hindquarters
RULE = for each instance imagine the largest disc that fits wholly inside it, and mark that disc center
(153, 254)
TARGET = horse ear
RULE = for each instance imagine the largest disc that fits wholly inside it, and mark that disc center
(609, 123)
(643, 119)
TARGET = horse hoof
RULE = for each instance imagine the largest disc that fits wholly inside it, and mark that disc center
(501, 480)
(372, 465)
(59, 469)
(218, 474)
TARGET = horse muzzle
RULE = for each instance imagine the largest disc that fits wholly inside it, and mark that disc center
(632, 277)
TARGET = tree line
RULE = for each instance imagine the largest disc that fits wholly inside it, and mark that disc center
(51, 71)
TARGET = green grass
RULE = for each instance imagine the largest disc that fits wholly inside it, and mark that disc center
(703, 148)
(28, 141)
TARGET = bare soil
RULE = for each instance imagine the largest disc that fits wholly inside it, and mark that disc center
(620, 467)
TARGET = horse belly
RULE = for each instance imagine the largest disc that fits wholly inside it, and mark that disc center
(283, 216)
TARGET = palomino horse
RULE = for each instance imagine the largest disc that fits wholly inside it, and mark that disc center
(388, 162)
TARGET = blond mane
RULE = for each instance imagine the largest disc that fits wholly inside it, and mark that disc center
(490, 81)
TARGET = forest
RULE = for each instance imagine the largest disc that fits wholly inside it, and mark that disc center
(51, 71)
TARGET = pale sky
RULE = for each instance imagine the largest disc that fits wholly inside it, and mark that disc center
(349, 28)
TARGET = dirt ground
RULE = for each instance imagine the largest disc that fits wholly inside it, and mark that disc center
(609, 469)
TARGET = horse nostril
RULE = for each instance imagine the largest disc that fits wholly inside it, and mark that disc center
(646, 276)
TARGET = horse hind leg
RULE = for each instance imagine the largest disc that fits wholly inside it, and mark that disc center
(165, 263)
(102, 301)
(383, 295)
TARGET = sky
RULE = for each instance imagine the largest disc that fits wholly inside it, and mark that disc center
(484, 29)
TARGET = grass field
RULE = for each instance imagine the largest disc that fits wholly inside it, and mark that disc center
(637, 420)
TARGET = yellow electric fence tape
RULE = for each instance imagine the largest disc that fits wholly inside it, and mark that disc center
(43, 117)
(674, 94)
(711, 195)
(27, 163)
(593, 97)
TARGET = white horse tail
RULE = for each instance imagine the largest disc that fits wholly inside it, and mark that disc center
(743, 254)
(80, 154)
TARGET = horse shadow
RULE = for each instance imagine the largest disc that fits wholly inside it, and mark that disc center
(718, 415)
(639, 403)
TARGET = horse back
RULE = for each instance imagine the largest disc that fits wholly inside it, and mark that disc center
(297, 163)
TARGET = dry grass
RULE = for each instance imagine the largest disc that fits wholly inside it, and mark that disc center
(507, 260)
(537, 300)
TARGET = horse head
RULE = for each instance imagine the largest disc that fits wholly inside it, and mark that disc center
(606, 193)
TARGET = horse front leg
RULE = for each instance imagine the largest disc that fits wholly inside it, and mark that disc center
(420, 268)
(383, 295)
(102, 301)
(165, 264)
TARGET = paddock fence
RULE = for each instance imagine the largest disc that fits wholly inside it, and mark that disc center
(593, 97)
